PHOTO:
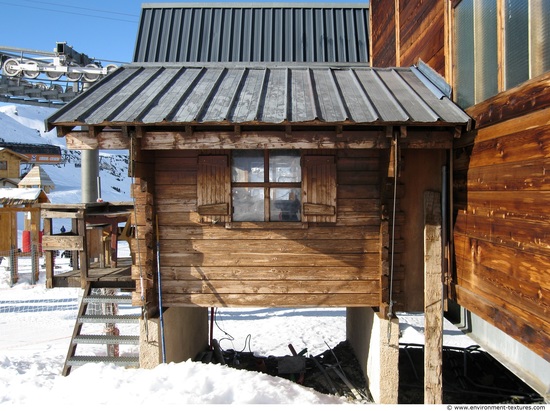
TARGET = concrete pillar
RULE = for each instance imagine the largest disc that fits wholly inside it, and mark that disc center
(90, 172)
(368, 334)
(185, 335)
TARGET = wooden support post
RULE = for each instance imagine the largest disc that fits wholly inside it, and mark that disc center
(433, 299)
(49, 255)
(84, 263)
(14, 269)
(35, 273)
(114, 245)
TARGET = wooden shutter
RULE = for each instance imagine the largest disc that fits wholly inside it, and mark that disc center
(319, 189)
(214, 188)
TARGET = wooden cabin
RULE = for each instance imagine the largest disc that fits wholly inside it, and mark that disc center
(10, 166)
(36, 153)
(19, 200)
(495, 55)
(275, 170)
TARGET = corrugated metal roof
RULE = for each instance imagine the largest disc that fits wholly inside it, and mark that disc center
(253, 32)
(174, 94)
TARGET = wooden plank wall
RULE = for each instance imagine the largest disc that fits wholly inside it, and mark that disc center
(8, 230)
(502, 230)
(420, 33)
(326, 264)
(383, 51)
(143, 245)
(13, 165)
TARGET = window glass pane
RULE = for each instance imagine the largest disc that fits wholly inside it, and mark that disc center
(247, 166)
(464, 53)
(285, 204)
(539, 36)
(485, 49)
(516, 42)
(248, 204)
(284, 166)
(3, 165)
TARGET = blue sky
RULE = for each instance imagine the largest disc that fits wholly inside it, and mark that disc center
(103, 29)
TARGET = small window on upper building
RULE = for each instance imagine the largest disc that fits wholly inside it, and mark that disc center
(266, 185)
(3, 165)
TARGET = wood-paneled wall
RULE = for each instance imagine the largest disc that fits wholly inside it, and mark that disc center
(422, 33)
(383, 33)
(404, 31)
(322, 264)
(502, 230)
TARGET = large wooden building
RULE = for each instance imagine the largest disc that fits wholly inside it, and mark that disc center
(278, 167)
(496, 55)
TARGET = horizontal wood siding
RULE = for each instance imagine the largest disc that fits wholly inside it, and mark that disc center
(144, 245)
(320, 264)
(502, 228)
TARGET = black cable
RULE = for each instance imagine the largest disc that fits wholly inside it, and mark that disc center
(81, 8)
(231, 338)
(68, 12)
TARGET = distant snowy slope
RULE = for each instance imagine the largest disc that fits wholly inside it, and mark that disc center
(25, 124)
(31, 118)
(13, 129)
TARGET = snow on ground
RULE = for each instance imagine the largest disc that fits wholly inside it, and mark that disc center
(35, 338)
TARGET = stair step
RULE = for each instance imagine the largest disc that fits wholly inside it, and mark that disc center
(116, 319)
(107, 339)
(108, 299)
(127, 361)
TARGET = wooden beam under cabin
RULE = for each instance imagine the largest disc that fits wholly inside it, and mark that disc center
(433, 300)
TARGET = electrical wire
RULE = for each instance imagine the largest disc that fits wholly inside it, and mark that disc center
(80, 8)
(230, 338)
(68, 12)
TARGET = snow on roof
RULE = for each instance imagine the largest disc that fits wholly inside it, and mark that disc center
(13, 153)
(19, 196)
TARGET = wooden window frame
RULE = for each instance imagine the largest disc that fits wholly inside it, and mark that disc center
(501, 40)
(318, 191)
(267, 185)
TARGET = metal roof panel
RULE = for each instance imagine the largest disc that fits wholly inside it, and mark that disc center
(382, 98)
(357, 102)
(177, 90)
(250, 94)
(303, 98)
(270, 32)
(246, 103)
(415, 107)
(273, 104)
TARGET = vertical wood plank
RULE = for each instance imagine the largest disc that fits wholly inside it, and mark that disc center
(84, 263)
(214, 186)
(319, 189)
(49, 255)
(397, 24)
(433, 299)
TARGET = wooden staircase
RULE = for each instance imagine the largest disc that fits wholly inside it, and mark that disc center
(105, 298)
